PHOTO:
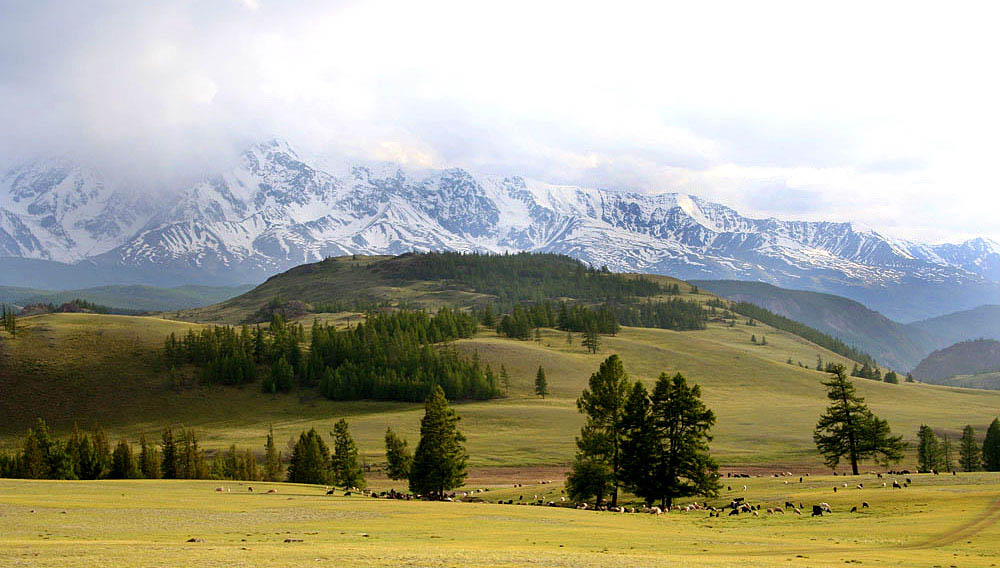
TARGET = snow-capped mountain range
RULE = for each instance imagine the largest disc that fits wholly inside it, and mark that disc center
(274, 210)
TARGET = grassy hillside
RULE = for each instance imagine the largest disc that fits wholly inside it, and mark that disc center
(135, 298)
(937, 521)
(84, 367)
(891, 343)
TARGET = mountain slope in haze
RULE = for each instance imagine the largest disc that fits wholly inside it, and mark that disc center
(901, 346)
(274, 210)
(975, 357)
(894, 344)
(136, 298)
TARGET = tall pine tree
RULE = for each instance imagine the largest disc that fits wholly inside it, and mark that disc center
(541, 385)
(991, 447)
(969, 455)
(439, 463)
(603, 403)
(345, 463)
(397, 455)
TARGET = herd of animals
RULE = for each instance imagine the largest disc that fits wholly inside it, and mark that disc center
(736, 506)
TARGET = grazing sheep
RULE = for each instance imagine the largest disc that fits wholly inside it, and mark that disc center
(861, 486)
(854, 509)
(826, 507)
(834, 488)
(755, 514)
(656, 511)
(797, 511)
(817, 511)
(770, 511)
(272, 490)
(220, 489)
(908, 482)
(250, 489)
(734, 512)
(779, 510)
(864, 504)
(896, 485)
(330, 492)
(789, 505)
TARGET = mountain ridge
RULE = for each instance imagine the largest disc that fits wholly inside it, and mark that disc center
(273, 210)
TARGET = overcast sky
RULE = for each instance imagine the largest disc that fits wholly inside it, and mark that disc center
(884, 114)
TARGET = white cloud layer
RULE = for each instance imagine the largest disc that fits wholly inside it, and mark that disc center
(883, 113)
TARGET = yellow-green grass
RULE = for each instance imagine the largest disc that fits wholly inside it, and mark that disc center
(937, 521)
(76, 367)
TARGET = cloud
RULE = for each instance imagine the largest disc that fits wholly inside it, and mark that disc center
(879, 113)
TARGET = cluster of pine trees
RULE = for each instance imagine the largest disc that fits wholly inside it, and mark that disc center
(231, 356)
(936, 454)
(525, 319)
(654, 444)
(675, 314)
(91, 456)
(800, 329)
(437, 466)
(393, 357)
(8, 319)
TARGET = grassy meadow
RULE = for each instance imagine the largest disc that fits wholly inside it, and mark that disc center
(937, 521)
(85, 367)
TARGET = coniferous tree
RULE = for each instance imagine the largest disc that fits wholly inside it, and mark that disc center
(273, 470)
(589, 477)
(345, 465)
(947, 455)
(541, 385)
(123, 464)
(149, 458)
(439, 464)
(504, 379)
(928, 450)
(591, 338)
(603, 403)
(970, 457)
(102, 448)
(310, 460)
(397, 455)
(672, 460)
(848, 429)
(169, 463)
(991, 447)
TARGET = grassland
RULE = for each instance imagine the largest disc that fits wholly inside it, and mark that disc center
(82, 367)
(937, 521)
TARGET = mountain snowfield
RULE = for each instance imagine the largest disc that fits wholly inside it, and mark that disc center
(274, 211)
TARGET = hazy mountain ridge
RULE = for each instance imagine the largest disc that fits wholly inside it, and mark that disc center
(274, 210)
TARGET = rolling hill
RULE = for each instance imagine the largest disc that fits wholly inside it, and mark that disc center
(898, 345)
(84, 367)
(966, 358)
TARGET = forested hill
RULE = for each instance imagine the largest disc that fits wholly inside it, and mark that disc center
(496, 283)
(432, 280)
(965, 358)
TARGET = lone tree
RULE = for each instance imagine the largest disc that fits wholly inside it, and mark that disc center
(848, 429)
(398, 456)
(541, 385)
(666, 449)
(928, 450)
(310, 461)
(439, 463)
(991, 447)
(345, 466)
(603, 403)
(969, 456)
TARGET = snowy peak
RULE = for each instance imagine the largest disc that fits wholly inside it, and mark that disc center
(273, 209)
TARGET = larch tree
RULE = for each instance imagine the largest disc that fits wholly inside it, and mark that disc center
(991, 447)
(541, 385)
(272, 459)
(398, 457)
(345, 464)
(928, 450)
(440, 461)
(603, 403)
(969, 455)
(849, 430)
